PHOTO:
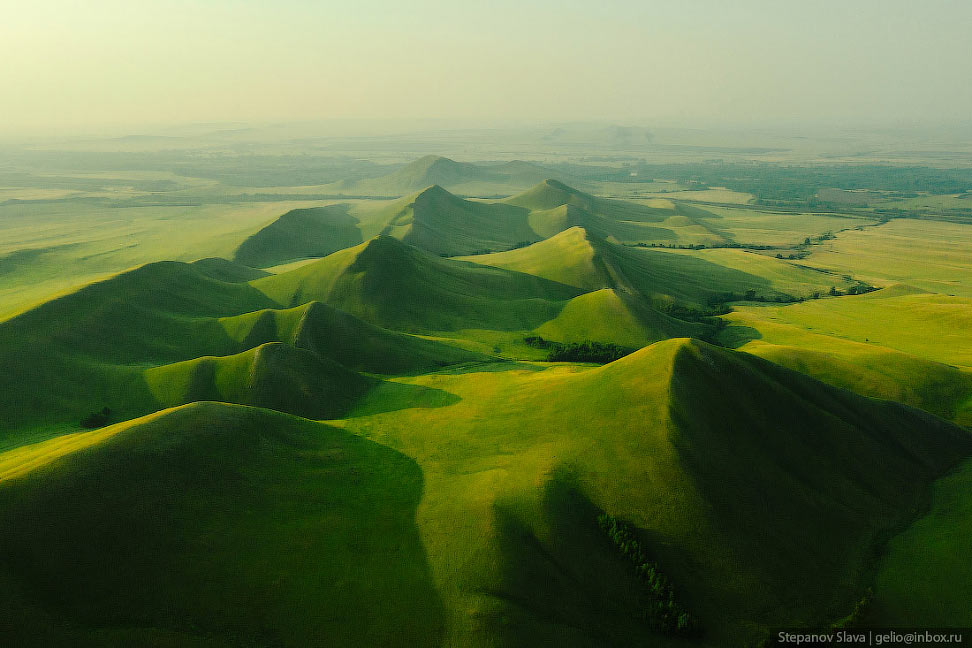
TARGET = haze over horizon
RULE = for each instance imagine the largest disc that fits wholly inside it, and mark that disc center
(84, 66)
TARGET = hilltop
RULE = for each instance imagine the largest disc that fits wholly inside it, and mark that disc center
(394, 285)
(458, 177)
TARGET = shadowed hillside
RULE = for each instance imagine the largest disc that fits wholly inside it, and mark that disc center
(300, 233)
(217, 525)
(272, 375)
(741, 478)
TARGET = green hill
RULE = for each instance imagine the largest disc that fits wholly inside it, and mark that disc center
(772, 478)
(691, 278)
(89, 349)
(610, 316)
(397, 286)
(741, 477)
(272, 375)
(300, 233)
(343, 338)
(217, 525)
(229, 271)
(458, 177)
(437, 221)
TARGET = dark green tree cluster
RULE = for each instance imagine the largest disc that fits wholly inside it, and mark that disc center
(663, 612)
(599, 352)
(857, 614)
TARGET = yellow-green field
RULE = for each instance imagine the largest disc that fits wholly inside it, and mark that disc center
(928, 254)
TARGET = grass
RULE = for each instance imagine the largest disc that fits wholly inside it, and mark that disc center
(924, 325)
(925, 577)
(452, 495)
(511, 436)
(751, 226)
(273, 375)
(313, 527)
(931, 255)
(458, 177)
(396, 286)
(53, 248)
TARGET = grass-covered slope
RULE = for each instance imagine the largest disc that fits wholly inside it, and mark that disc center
(300, 233)
(88, 350)
(85, 350)
(614, 317)
(217, 525)
(926, 325)
(741, 478)
(459, 177)
(694, 279)
(870, 369)
(333, 334)
(273, 375)
(394, 285)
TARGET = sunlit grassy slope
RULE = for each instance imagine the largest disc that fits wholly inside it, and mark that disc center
(389, 283)
(928, 254)
(90, 349)
(217, 525)
(745, 478)
(695, 277)
(925, 325)
(487, 536)
(273, 375)
(49, 248)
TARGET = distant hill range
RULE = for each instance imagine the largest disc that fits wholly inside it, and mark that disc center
(491, 180)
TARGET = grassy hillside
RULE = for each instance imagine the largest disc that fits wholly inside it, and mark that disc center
(867, 368)
(693, 278)
(772, 478)
(89, 349)
(457, 177)
(488, 535)
(925, 576)
(614, 317)
(311, 232)
(397, 286)
(343, 338)
(437, 221)
(272, 375)
(935, 327)
(928, 254)
(290, 531)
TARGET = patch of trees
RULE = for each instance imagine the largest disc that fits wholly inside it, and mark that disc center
(587, 351)
(857, 614)
(96, 419)
(786, 185)
(663, 612)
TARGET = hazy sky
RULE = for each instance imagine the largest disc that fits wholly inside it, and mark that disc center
(80, 64)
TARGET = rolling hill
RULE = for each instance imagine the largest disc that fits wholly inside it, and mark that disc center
(693, 278)
(89, 349)
(475, 521)
(217, 525)
(459, 177)
(397, 286)
(300, 233)
(768, 479)
(273, 375)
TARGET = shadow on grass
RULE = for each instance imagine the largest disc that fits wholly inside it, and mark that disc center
(219, 525)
